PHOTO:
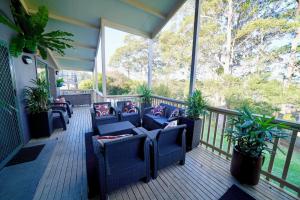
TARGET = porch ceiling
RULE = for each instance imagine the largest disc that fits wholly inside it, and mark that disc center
(82, 18)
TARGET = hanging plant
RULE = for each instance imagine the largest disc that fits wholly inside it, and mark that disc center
(31, 32)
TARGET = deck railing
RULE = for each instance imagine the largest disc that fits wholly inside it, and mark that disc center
(281, 168)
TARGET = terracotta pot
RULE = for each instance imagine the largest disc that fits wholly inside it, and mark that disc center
(244, 168)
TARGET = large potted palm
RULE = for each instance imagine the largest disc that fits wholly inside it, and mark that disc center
(39, 112)
(250, 135)
(196, 105)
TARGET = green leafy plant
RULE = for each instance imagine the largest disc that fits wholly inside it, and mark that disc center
(59, 82)
(196, 105)
(30, 29)
(251, 134)
(146, 93)
(37, 96)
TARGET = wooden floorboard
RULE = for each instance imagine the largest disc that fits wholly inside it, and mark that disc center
(205, 174)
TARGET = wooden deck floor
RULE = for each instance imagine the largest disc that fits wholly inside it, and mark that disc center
(204, 176)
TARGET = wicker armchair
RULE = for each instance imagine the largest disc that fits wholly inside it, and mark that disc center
(167, 146)
(134, 118)
(97, 120)
(122, 162)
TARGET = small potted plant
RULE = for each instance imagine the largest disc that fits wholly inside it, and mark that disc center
(250, 135)
(146, 94)
(39, 112)
(196, 105)
(60, 82)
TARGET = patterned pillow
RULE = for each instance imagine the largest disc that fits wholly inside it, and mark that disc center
(175, 113)
(108, 138)
(61, 100)
(130, 107)
(101, 110)
(158, 110)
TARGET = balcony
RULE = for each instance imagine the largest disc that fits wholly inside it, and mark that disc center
(204, 176)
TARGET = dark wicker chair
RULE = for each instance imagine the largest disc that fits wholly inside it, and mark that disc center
(60, 119)
(68, 107)
(97, 120)
(134, 118)
(152, 122)
(122, 162)
(167, 147)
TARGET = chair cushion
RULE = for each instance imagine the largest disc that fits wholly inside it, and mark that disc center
(171, 124)
(101, 110)
(160, 120)
(150, 116)
(106, 117)
(174, 113)
(129, 114)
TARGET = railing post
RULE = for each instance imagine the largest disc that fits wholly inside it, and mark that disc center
(195, 47)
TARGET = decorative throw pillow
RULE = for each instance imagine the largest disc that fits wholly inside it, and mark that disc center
(61, 100)
(130, 107)
(158, 110)
(101, 110)
(171, 124)
(175, 113)
(108, 138)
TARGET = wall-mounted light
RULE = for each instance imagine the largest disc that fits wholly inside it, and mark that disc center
(56, 72)
(27, 60)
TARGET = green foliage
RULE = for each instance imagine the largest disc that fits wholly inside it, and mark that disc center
(37, 96)
(86, 84)
(196, 105)
(59, 82)
(162, 90)
(251, 133)
(31, 36)
(146, 93)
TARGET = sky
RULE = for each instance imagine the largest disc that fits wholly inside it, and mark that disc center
(113, 40)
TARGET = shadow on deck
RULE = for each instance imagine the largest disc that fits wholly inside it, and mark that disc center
(204, 176)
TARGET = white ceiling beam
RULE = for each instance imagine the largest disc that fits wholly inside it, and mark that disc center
(75, 58)
(144, 7)
(68, 20)
(76, 68)
(170, 15)
(82, 45)
(53, 58)
(124, 28)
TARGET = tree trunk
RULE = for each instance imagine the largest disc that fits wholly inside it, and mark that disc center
(227, 63)
(293, 56)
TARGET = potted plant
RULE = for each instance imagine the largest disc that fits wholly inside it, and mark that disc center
(60, 82)
(146, 93)
(250, 135)
(39, 112)
(196, 105)
(31, 34)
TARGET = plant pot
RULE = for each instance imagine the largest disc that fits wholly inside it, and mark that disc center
(40, 124)
(143, 106)
(244, 168)
(193, 131)
(25, 50)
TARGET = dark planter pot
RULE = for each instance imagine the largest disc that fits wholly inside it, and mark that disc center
(143, 106)
(193, 130)
(244, 168)
(40, 124)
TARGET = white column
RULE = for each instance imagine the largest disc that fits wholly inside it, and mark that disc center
(195, 47)
(150, 62)
(96, 75)
(103, 59)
